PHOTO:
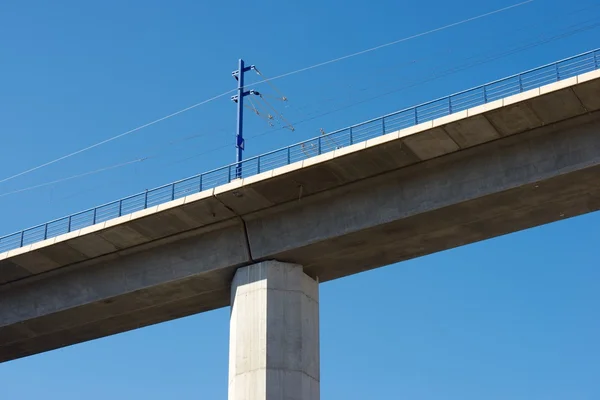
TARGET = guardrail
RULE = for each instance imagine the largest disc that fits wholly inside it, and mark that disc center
(518, 83)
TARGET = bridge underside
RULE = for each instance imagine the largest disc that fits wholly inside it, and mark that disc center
(502, 186)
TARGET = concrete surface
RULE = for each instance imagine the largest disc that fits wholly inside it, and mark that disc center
(509, 165)
(274, 333)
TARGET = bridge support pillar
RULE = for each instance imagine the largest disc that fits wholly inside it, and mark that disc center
(274, 334)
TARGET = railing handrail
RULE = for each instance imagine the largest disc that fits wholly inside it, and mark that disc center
(301, 143)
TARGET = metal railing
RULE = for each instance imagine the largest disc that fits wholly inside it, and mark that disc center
(518, 83)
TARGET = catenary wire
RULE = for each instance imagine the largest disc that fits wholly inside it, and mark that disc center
(155, 154)
(308, 109)
(97, 171)
(413, 84)
(440, 75)
(415, 36)
(434, 77)
(271, 79)
(114, 137)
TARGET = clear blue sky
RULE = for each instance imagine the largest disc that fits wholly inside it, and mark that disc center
(511, 318)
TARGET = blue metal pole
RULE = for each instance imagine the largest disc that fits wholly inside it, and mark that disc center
(239, 137)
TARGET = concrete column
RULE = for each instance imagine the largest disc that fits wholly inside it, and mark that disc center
(274, 334)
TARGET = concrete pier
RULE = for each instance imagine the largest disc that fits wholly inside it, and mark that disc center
(274, 336)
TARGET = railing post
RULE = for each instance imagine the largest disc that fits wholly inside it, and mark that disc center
(120, 207)
(229, 173)
(173, 192)
(146, 200)
(557, 72)
(288, 156)
(45, 231)
(94, 217)
(351, 138)
(319, 145)
(69, 224)
(416, 117)
(258, 165)
(520, 84)
(22, 238)
(484, 93)
(383, 126)
(200, 184)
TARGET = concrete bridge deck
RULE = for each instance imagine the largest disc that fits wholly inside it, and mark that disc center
(508, 165)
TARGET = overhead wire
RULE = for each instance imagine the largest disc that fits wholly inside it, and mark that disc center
(309, 107)
(435, 76)
(305, 109)
(156, 154)
(393, 67)
(114, 137)
(338, 59)
(358, 53)
(170, 143)
(300, 109)
(444, 73)
(416, 83)
(205, 152)
(454, 70)
(97, 171)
